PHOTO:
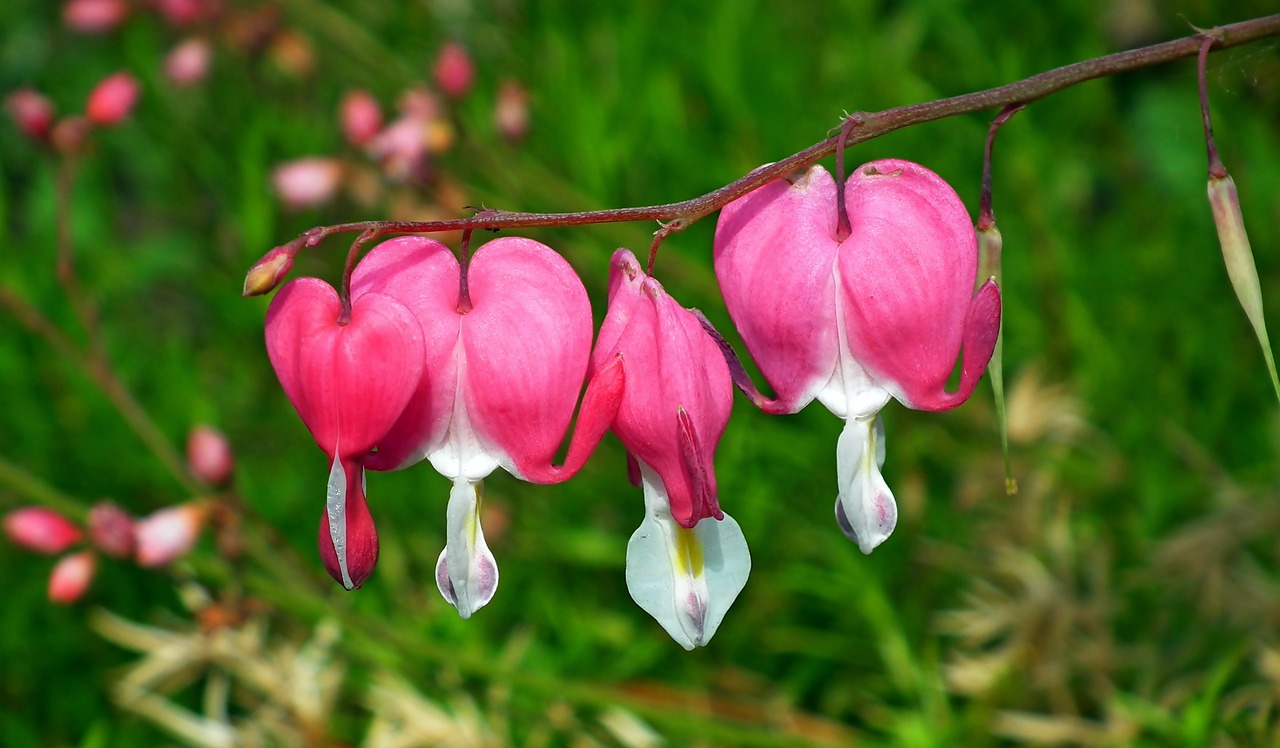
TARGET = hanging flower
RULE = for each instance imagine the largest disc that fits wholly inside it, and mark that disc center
(505, 348)
(349, 383)
(688, 560)
(853, 321)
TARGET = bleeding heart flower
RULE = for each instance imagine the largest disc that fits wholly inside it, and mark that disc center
(688, 560)
(349, 383)
(853, 321)
(504, 364)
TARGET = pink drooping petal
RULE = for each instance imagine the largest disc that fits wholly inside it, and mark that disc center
(526, 344)
(907, 272)
(775, 249)
(422, 274)
(348, 540)
(599, 408)
(349, 383)
(678, 392)
(42, 530)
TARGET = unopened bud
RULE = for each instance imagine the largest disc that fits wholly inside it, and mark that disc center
(307, 182)
(511, 110)
(111, 529)
(188, 63)
(990, 244)
(1238, 255)
(31, 111)
(454, 71)
(169, 534)
(209, 455)
(69, 134)
(112, 100)
(293, 54)
(184, 12)
(268, 272)
(41, 530)
(94, 16)
(71, 576)
(361, 117)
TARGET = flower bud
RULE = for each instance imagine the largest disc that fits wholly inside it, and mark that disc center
(361, 117)
(209, 455)
(111, 529)
(94, 16)
(454, 71)
(1238, 255)
(188, 63)
(69, 134)
(264, 276)
(112, 100)
(31, 111)
(511, 110)
(184, 12)
(41, 530)
(307, 182)
(71, 577)
(168, 534)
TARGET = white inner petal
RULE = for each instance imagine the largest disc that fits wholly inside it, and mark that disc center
(336, 508)
(462, 455)
(686, 579)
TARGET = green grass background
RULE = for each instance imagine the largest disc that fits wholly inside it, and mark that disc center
(1132, 587)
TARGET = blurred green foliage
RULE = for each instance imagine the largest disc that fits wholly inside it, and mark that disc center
(1129, 595)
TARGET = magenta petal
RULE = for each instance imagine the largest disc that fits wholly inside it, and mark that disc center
(907, 273)
(672, 365)
(348, 541)
(422, 274)
(775, 250)
(350, 382)
(525, 343)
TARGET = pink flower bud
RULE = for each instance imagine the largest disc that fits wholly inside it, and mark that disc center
(511, 110)
(361, 117)
(94, 16)
(188, 63)
(454, 70)
(112, 100)
(168, 534)
(69, 134)
(209, 455)
(111, 529)
(307, 182)
(184, 12)
(41, 530)
(31, 111)
(267, 273)
(71, 577)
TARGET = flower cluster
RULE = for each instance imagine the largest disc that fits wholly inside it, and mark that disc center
(478, 364)
(151, 541)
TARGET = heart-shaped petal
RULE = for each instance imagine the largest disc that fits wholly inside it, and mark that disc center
(349, 383)
(907, 273)
(422, 274)
(774, 252)
(525, 343)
